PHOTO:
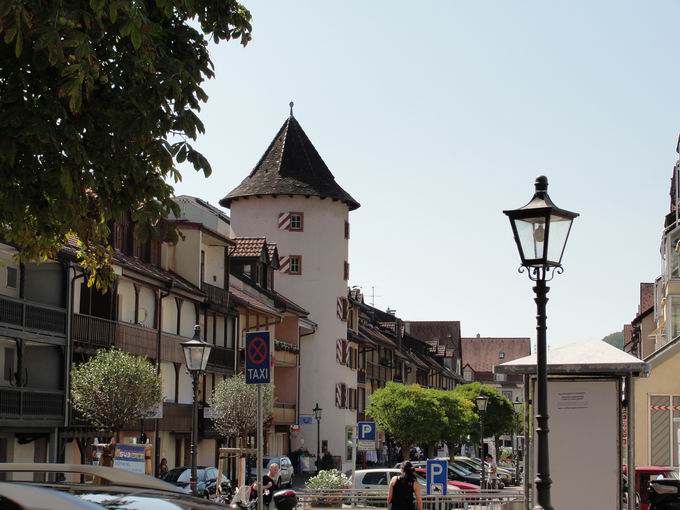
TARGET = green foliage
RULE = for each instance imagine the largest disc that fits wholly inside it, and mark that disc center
(460, 416)
(328, 479)
(234, 406)
(115, 388)
(499, 415)
(411, 414)
(615, 339)
(99, 103)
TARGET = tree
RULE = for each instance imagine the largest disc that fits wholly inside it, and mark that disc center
(460, 416)
(409, 413)
(615, 339)
(234, 407)
(499, 415)
(115, 388)
(99, 103)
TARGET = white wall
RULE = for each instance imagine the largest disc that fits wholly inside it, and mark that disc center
(214, 263)
(188, 320)
(169, 315)
(324, 250)
(168, 377)
(23, 453)
(186, 394)
(186, 260)
(126, 301)
(147, 305)
(7, 260)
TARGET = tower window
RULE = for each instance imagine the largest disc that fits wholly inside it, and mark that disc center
(347, 230)
(295, 264)
(12, 277)
(296, 221)
(346, 271)
(501, 355)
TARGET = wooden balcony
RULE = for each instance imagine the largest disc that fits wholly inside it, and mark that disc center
(22, 314)
(221, 359)
(91, 333)
(378, 372)
(283, 413)
(215, 295)
(31, 404)
(285, 359)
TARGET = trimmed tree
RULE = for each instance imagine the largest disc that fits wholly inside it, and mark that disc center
(410, 414)
(460, 416)
(115, 388)
(499, 415)
(99, 103)
(234, 407)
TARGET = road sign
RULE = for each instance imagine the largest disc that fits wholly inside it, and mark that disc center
(258, 363)
(306, 419)
(366, 431)
(437, 477)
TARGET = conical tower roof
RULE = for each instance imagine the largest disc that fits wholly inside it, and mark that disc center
(291, 166)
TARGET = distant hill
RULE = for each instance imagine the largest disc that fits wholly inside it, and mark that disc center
(615, 339)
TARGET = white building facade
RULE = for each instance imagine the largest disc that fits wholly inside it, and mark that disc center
(292, 199)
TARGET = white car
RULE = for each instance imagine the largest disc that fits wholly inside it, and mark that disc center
(379, 479)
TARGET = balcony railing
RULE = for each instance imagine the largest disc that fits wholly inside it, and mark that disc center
(28, 403)
(221, 357)
(215, 294)
(283, 412)
(33, 316)
(378, 372)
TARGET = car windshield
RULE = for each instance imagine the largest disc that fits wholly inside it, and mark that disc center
(182, 475)
(459, 469)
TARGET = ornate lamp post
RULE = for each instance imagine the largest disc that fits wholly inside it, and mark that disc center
(541, 230)
(317, 415)
(196, 353)
(481, 402)
(515, 444)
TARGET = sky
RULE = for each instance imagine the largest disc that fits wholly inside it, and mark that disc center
(437, 116)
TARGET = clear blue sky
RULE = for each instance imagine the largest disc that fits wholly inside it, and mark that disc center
(436, 116)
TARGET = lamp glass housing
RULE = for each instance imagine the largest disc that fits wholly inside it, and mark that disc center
(481, 402)
(317, 412)
(196, 352)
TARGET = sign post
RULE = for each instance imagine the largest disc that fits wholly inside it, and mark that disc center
(366, 432)
(437, 477)
(258, 371)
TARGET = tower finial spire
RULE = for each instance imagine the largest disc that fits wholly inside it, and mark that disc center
(291, 104)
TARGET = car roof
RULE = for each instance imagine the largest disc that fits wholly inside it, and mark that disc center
(652, 469)
(375, 470)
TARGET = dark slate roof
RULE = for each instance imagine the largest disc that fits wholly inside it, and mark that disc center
(291, 166)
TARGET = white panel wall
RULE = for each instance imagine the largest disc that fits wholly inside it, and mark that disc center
(169, 315)
(147, 304)
(185, 390)
(126, 301)
(188, 319)
(168, 376)
(214, 264)
(186, 259)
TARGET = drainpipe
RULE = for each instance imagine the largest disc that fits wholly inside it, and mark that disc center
(69, 339)
(159, 336)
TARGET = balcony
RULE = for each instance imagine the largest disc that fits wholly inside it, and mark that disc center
(31, 404)
(21, 314)
(221, 358)
(283, 413)
(215, 295)
(95, 333)
(378, 372)
(361, 377)
(284, 358)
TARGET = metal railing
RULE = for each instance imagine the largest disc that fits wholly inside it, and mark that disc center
(29, 403)
(215, 294)
(372, 499)
(33, 316)
(221, 357)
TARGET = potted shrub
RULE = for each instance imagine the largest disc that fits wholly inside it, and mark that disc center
(330, 480)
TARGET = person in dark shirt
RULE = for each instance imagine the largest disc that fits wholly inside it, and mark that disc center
(270, 483)
(403, 488)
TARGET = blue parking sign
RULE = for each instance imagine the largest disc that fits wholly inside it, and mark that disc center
(366, 431)
(437, 477)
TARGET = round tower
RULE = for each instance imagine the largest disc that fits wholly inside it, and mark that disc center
(292, 199)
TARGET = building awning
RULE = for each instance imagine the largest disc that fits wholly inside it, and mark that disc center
(249, 301)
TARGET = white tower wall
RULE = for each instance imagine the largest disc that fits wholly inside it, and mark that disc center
(324, 250)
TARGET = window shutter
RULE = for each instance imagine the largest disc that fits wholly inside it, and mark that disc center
(338, 398)
(284, 264)
(342, 308)
(338, 350)
(284, 221)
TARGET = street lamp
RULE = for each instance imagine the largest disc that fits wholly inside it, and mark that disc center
(541, 230)
(481, 402)
(515, 444)
(317, 415)
(196, 354)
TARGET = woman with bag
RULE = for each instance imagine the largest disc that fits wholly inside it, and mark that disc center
(403, 488)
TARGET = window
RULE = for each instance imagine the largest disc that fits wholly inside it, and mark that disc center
(508, 395)
(346, 271)
(375, 478)
(296, 221)
(662, 410)
(295, 266)
(347, 230)
(247, 269)
(341, 395)
(675, 316)
(467, 374)
(501, 355)
(119, 236)
(12, 277)
(499, 377)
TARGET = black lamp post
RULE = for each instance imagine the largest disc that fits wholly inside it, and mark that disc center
(541, 230)
(515, 444)
(481, 402)
(317, 415)
(196, 354)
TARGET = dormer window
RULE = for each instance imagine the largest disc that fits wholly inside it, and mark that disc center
(247, 269)
(501, 355)
(296, 221)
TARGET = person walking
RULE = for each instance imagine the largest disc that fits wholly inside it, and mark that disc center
(402, 490)
(163, 468)
(492, 472)
(270, 483)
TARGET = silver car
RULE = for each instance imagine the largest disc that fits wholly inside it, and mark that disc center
(286, 470)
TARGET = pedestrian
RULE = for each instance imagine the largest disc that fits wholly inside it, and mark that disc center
(492, 473)
(270, 483)
(163, 468)
(402, 490)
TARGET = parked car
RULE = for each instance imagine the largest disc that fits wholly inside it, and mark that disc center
(379, 478)
(118, 490)
(286, 470)
(206, 481)
(463, 486)
(457, 472)
(504, 477)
